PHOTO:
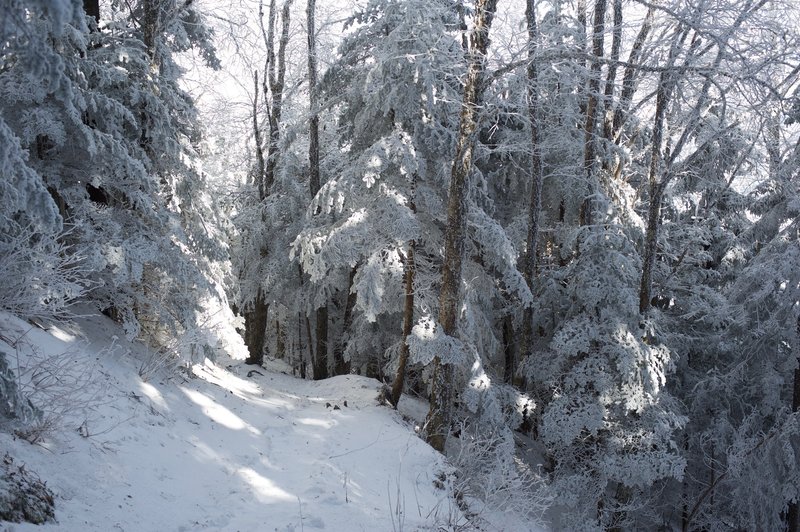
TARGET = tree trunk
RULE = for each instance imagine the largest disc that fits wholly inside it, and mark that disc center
(150, 10)
(611, 76)
(321, 359)
(313, 126)
(280, 341)
(628, 78)
(408, 323)
(439, 416)
(535, 203)
(277, 74)
(260, 168)
(256, 317)
(793, 512)
(656, 196)
(657, 187)
(92, 9)
(321, 363)
(255, 327)
(342, 366)
(509, 353)
(590, 143)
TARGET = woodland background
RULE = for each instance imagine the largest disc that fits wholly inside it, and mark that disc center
(574, 220)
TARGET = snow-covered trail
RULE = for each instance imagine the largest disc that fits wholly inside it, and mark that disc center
(224, 451)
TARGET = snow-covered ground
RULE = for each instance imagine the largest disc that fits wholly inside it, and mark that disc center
(218, 449)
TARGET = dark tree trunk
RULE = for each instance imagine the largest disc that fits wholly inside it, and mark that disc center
(280, 341)
(611, 76)
(260, 167)
(509, 351)
(321, 359)
(408, 323)
(321, 362)
(342, 366)
(793, 512)
(535, 202)
(657, 187)
(150, 26)
(255, 326)
(313, 126)
(256, 317)
(439, 416)
(590, 143)
(92, 9)
(656, 197)
(629, 77)
(277, 74)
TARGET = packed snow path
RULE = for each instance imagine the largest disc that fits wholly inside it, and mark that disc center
(224, 451)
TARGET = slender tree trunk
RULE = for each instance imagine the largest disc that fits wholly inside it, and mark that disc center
(535, 202)
(255, 327)
(256, 317)
(260, 168)
(408, 307)
(793, 512)
(590, 143)
(321, 362)
(313, 125)
(439, 416)
(277, 74)
(657, 187)
(509, 351)
(342, 366)
(629, 77)
(280, 341)
(656, 196)
(92, 9)
(408, 323)
(150, 10)
(611, 75)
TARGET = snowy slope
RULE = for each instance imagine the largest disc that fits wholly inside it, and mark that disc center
(219, 450)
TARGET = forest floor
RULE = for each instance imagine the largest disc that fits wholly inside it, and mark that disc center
(216, 449)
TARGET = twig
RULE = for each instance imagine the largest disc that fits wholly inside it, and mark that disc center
(360, 448)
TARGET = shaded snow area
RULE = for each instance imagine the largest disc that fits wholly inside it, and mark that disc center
(214, 449)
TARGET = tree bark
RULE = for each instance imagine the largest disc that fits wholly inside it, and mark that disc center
(92, 9)
(408, 323)
(439, 416)
(259, 171)
(611, 75)
(535, 202)
(793, 512)
(657, 187)
(321, 362)
(255, 327)
(590, 143)
(313, 126)
(321, 359)
(342, 366)
(276, 77)
(656, 196)
(256, 317)
(150, 26)
(666, 82)
(629, 77)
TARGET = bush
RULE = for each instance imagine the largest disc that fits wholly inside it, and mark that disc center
(41, 276)
(23, 496)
